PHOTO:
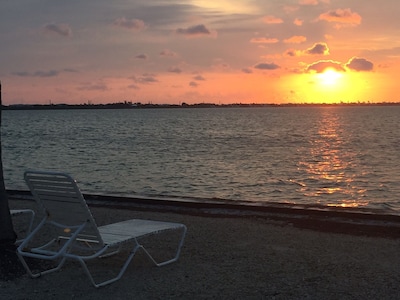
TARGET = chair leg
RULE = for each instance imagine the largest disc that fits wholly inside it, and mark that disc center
(111, 253)
(108, 281)
(177, 254)
(38, 274)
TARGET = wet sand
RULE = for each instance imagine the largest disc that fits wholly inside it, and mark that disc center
(269, 255)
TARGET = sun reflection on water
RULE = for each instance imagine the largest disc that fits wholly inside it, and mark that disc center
(329, 165)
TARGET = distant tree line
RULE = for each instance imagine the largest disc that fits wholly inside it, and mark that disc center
(137, 105)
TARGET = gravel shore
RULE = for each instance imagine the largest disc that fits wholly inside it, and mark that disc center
(234, 258)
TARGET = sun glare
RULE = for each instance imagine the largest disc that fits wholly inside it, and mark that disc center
(333, 86)
(329, 77)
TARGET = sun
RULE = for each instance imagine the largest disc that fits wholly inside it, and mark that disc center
(329, 86)
(329, 77)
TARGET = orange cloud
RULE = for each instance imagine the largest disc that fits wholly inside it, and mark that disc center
(292, 53)
(145, 78)
(272, 20)
(298, 22)
(263, 40)
(199, 78)
(322, 65)
(359, 64)
(266, 66)
(247, 70)
(308, 2)
(175, 70)
(342, 16)
(318, 49)
(290, 8)
(296, 39)
(168, 53)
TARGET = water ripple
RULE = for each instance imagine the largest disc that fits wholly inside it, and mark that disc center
(332, 156)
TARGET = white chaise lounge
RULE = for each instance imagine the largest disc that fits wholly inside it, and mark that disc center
(77, 237)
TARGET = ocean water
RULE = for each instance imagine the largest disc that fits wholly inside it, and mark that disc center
(339, 156)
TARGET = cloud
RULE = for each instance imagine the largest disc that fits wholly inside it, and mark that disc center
(359, 64)
(292, 53)
(145, 78)
(354, 64)
(247, 70)
(93, 87)
(318, 49)
(322, 65)
(141, 56)
(193, 84)
(22, 74)
(308, 2)
(266, 66)
(199, 78)
(290, 8)
(132, 24)
(133, 86)
(219, 64)
(175, 70)
(51, 73)
(168, 53)
(263, 40)
(313, 2)
(41, 73)
(298, 22)
(59, 29)
(272, 20)
(342, 16)
(296, 39)
(194, 31)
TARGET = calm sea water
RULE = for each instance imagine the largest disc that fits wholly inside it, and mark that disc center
(329, 156)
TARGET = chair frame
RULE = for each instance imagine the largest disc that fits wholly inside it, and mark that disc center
(79, 238)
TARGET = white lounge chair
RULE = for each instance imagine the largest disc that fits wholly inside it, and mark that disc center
(78, 237)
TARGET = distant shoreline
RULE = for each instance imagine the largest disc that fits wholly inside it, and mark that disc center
(138, 105)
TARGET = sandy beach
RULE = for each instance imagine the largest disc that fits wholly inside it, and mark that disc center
(231, 257)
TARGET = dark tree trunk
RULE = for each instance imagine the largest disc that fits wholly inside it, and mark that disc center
(7, 234)
(9, 265)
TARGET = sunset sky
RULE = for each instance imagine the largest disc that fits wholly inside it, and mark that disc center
(169, 52)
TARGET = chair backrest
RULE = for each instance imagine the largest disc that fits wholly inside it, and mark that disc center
(60, 197)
